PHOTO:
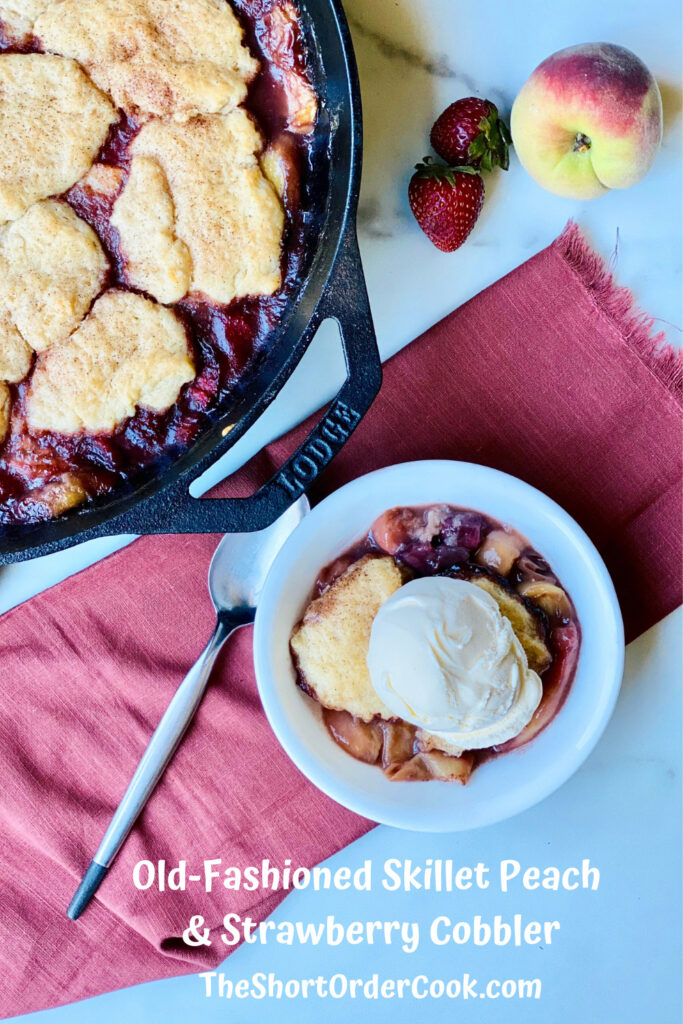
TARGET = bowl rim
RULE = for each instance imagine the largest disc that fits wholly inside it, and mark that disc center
(351, 796)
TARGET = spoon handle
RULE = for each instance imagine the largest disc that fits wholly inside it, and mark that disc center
(156, 757)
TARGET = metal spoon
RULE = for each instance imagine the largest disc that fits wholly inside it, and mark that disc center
(236, 575)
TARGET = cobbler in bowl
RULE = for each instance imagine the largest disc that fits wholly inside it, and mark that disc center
(504, 643)
(157, 163)
(440, 640)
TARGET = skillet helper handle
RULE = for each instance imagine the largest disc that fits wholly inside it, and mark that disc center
(346, 301)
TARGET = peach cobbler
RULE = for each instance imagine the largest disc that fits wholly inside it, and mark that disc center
(440, 640)
(155, 167)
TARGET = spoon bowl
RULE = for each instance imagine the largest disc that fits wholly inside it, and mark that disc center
(241, 561)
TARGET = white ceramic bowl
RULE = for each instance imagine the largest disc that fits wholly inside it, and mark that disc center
(501, 787)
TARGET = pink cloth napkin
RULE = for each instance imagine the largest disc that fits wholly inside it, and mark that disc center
(549, 375)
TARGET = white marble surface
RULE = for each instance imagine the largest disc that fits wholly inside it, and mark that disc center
(623, 808)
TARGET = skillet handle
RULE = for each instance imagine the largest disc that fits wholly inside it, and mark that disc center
(346, 301)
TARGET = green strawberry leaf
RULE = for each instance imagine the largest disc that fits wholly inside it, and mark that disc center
(490, 147)
(441, 172)
(505, 133)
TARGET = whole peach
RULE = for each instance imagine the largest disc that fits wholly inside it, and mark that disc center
(587, 120)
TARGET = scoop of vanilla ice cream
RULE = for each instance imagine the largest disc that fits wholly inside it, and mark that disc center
(443, 657)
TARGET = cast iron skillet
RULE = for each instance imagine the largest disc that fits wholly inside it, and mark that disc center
(333, 287)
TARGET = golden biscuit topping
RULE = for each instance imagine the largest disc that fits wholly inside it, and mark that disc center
(152, 56)
(17, 17)
(128, 352)
(226, 211)
(5, 410)
(51, 268)
(15, 354)
(330, 645)
(52, 123)
(156, 261)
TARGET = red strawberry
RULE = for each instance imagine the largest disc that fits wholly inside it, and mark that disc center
(471, 132)
(446, 202)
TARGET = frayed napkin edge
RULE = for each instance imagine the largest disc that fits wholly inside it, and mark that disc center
(618, 304)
